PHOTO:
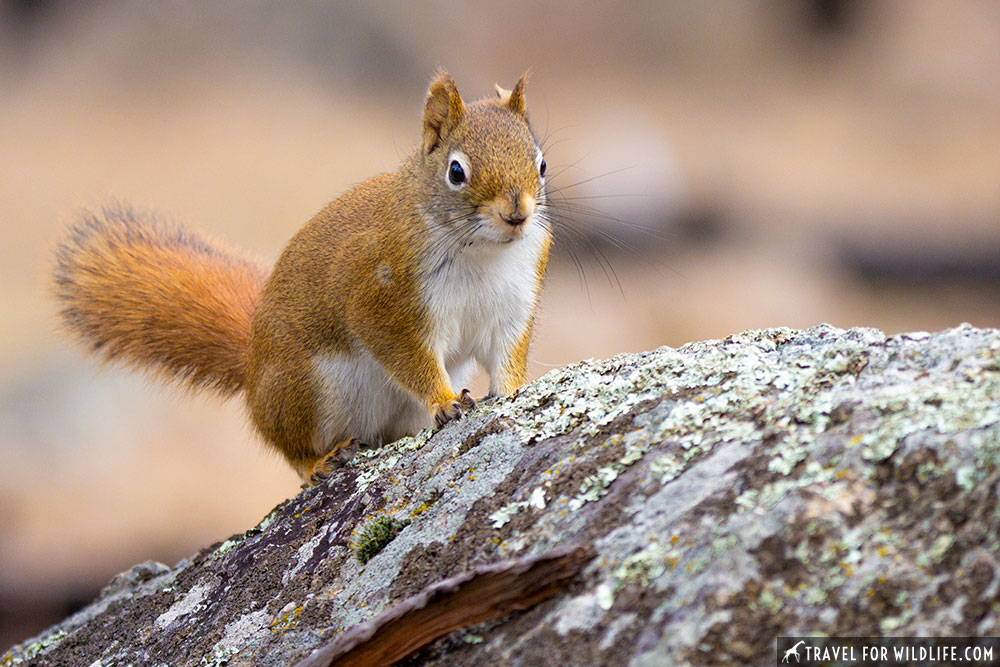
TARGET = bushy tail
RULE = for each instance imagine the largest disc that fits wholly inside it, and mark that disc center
(158, 297)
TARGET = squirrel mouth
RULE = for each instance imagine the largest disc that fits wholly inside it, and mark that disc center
(511, 230)
(499, 229)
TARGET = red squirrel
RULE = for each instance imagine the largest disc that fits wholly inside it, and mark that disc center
(378, 308)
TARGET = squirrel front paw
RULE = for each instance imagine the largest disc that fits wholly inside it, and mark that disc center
(337, 457)
(453, 409)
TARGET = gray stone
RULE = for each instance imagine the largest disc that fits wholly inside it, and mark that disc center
(777, 482)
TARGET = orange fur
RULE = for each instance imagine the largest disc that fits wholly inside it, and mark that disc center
(342, 320)
(324, 294)
(158, 298)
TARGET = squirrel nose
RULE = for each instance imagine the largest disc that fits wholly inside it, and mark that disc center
(515, 219)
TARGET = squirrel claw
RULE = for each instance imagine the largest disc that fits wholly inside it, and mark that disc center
(454, 409)
(468, 403)
(337, 457)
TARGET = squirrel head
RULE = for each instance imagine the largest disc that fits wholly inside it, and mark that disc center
(481, 167)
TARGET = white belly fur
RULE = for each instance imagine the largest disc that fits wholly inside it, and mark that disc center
(358, 399)
(478, 304)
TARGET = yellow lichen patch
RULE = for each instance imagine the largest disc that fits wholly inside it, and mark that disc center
(287, 620)
(420, 509)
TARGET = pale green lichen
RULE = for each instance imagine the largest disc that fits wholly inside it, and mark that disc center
(377, 471)
(938, 548)
(502, 516)
(388, 457)
(666, 467)
(816, 596)
(644, 566)
(593, 487)
(227, 545)
(268, 521)
(18, 654)
(794, 443)
(220, 657)
(771, 602)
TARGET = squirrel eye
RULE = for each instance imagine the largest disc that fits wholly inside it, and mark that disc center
(455, 173)
(541, 168)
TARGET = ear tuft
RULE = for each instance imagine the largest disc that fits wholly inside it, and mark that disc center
(443, 109)
(515, 98)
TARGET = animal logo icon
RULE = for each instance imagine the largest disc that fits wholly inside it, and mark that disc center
(793, 651)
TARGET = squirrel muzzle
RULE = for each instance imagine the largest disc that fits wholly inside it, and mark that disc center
(512, 213)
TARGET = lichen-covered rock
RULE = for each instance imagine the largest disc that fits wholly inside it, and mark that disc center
(777, 482)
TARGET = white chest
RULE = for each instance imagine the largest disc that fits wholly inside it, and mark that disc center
(479, 301)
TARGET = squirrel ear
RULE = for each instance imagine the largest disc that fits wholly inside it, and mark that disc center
(514, 99)
(442, 110)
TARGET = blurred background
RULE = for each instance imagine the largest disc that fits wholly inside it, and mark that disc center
(751, 164)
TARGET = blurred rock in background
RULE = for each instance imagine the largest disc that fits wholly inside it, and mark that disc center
(720, 166)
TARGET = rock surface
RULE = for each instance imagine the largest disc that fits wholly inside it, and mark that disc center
(777, 482)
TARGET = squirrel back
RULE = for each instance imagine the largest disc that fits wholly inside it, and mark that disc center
(158, 297)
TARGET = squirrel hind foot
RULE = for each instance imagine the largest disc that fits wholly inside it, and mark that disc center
(338, 456)
(454, 409)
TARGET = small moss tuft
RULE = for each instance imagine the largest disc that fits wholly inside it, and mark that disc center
(374, 536)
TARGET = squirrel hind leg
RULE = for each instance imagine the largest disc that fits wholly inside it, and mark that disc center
(318, 470)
